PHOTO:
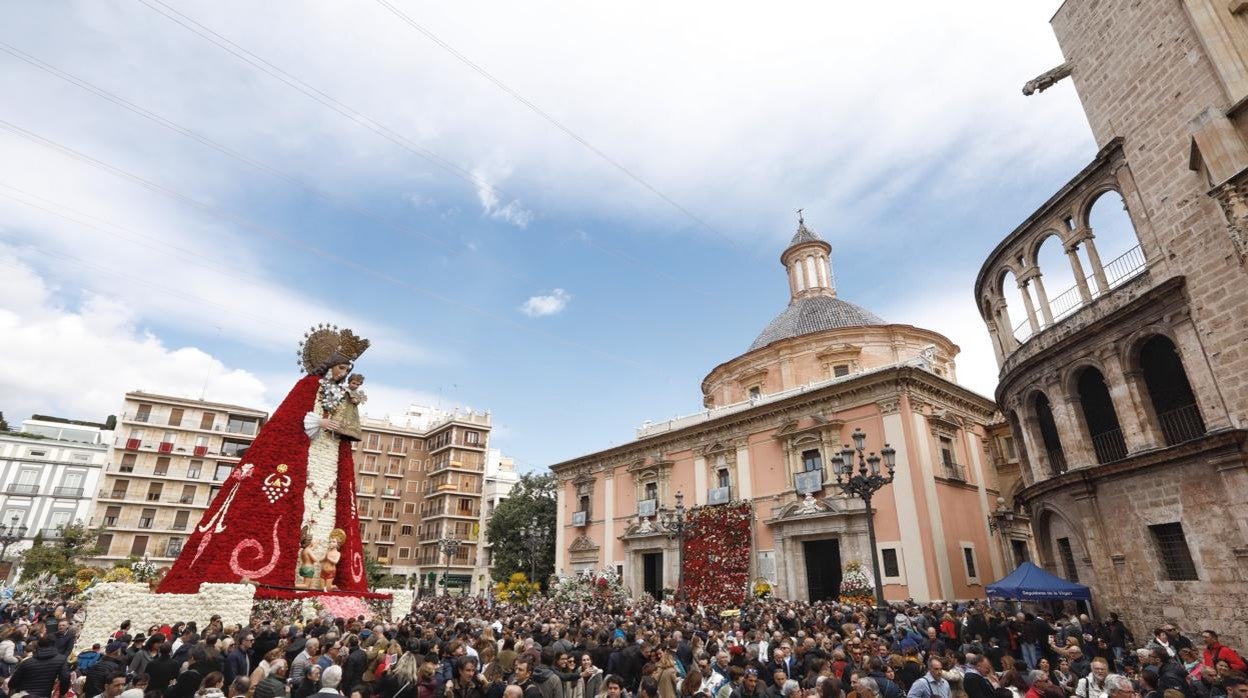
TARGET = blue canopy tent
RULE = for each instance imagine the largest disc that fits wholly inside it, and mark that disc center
(1030, 583)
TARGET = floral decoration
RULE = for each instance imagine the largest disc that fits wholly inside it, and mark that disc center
(517, 589)
(717, 551)
(342, 606)
(857, 586)
(587, 585)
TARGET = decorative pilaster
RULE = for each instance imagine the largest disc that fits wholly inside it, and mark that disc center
(1232, 195)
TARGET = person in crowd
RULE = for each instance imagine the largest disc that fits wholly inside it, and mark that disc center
(38, 675)
(1215, 651)
(273, 685)
(932, 684)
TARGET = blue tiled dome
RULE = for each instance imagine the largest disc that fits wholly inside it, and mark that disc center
(814, 314)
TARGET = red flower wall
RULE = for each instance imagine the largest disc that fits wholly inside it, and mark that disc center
(717, 554)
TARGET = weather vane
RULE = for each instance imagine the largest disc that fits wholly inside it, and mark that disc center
(801, 220)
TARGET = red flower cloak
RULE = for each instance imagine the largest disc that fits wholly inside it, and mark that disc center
(252, 528)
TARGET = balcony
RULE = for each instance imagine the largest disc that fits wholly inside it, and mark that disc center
(580, 519)
(66, 491)
(18, 488)
(383, 560)
(391, 492)
(1109, 446)
(165, 447)
(173, 550)
(719, 495)
(133, 444)
(178, 526)
(1181, 424)
(951, 470)
(153, 496)
(201, 451)
(52, 533)
(647, 507)
(809, 482)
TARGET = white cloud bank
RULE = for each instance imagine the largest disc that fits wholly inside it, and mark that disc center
(552, 303)
(78, 362)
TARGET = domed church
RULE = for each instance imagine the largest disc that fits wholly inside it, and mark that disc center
(774, 422)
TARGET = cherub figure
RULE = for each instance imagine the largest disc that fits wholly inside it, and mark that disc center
(329, 565)
(347, 414)
(307, 563)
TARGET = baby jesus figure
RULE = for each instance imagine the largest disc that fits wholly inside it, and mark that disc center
(347, 414)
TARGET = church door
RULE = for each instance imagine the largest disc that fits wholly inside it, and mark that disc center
(652, 566)
(823, 568)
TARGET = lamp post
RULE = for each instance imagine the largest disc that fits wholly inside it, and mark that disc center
(448, 546)
(1001, 520)
(674, 522)
(10, 533)
(864, 484)
(534, 537)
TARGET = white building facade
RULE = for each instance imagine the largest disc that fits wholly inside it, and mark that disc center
(500, 477)
(48, 473)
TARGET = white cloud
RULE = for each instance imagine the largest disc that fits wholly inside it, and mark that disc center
(79, 361)
(513, 212)
(954, 316)
(552, 303)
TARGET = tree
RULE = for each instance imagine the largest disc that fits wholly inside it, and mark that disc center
(61, 557)
(532, 501)
(4, 426)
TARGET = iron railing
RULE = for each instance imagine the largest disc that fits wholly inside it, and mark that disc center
(18, 488)
(1109, 446)
(1123, 267)
(1181, 424)
(954, 471)
(1057, 460)
(67, 492)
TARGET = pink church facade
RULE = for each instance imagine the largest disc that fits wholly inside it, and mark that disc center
(773, 419)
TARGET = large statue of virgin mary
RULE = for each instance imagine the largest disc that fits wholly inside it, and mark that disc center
(293, 491)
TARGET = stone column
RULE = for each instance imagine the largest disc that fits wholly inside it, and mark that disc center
(1033, 444)
(1137, 433)
(1042, 297)
(1200, 375)
(1008, 341)
(561, 553)
(1027, 304)
(1072, 253)
(1147, 416)
(1094, 259)
(998, 348)
(608, 510)
(1073, 431)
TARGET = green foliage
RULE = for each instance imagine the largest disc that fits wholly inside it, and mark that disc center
(63, 556)
(532, 501)
(373, 570)
(4, 426)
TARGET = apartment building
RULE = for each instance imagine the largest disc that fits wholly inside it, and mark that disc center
(168, 459)
(48, 472)
(419, 481)
(500, 477)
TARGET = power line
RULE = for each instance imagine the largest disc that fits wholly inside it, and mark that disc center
(293, 242)
(332, 103)
(553, 121)
(215, 145)
(317, 95)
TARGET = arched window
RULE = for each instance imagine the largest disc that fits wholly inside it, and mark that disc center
(1048, 434)
(1099, 415)
(1174, 404)
(1117, 246)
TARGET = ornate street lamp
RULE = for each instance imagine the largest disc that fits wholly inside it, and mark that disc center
(535, 537)
(675, 524)
(864, 484)
(10, 533)
(448, 546)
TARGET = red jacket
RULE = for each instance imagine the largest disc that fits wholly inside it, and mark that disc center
(1226, 654)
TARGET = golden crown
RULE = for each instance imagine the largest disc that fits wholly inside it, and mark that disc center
(326, 345)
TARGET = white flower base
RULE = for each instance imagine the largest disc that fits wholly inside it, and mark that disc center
(402, 603)
(114, 602)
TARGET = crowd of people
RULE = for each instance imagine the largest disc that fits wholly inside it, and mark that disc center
(456, 647)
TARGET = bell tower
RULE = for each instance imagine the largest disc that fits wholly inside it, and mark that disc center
(808, 260)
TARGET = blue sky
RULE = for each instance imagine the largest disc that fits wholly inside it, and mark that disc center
(900, 129)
